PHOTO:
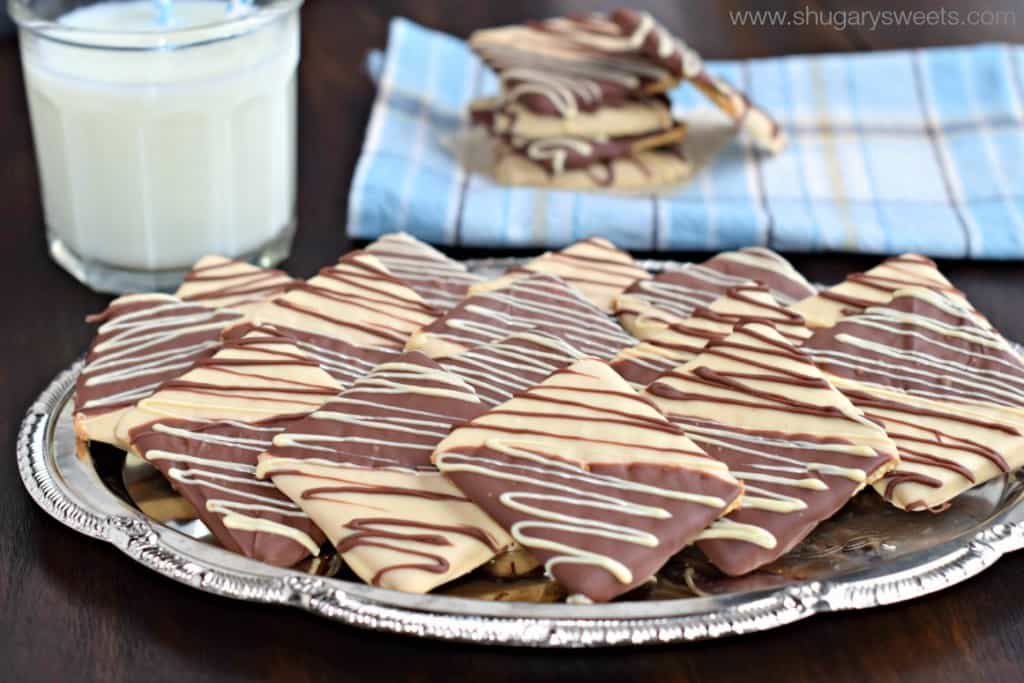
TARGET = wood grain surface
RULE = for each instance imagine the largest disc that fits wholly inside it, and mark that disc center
(74, 609)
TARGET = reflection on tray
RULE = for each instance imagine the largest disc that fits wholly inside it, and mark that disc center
(862, 534)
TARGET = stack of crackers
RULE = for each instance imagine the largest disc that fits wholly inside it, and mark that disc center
(583, 102)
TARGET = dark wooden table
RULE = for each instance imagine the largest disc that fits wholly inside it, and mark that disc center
(74, 609)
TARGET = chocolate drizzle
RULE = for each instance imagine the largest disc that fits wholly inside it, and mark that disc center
(374, 531)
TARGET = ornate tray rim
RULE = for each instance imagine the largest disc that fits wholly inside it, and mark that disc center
(461, 619)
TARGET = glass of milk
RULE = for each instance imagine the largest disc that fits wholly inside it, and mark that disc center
(164, 131)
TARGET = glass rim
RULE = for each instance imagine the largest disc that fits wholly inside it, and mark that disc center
(150, 41)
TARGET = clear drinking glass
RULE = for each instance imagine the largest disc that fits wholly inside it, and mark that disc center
(158, 144)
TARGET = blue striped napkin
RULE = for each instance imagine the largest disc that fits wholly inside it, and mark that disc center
(889, 152)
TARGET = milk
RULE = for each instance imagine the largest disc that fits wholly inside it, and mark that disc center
(150, 159)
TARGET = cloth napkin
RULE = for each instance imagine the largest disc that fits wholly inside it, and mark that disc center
(914, 150)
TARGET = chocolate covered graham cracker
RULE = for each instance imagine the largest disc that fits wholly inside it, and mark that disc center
(567, 67)
(213, 465)
(801, 449)
(673, 295)
(499, 370)
(647, 116)
(255, 376)
(357, 300)
(647, 169)
(948, 390)
(142, 341)
(877, 286)
(557, 155)
(667, 343)
(537, 301)
(588, 477)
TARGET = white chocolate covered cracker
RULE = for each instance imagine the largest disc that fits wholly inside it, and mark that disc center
(356, 300)
(673, 295)
(875, 287)
(594, 266)
(253, 377)
(441, 282)
(667, 343)
(219, 282)
(539, 301)
(360, 467)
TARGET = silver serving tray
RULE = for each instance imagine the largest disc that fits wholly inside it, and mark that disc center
(869, 554)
